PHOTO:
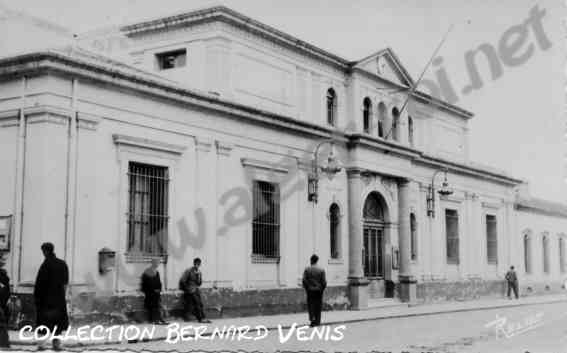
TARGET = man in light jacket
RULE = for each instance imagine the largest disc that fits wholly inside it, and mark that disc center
(190, 283)
(314, 282)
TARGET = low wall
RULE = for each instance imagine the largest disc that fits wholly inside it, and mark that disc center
(88, 307)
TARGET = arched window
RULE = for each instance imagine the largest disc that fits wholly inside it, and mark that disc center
(366, 114)
(335, 230)
(331, 107)
(562, 253)
(381, 119)
(413, 238)
(545, 245)
(527, 252)
(410, 131)
(395, 123)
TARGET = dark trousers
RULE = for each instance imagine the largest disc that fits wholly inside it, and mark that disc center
(4, 338)
(314, 306)
(513, 286)
(152, 303)
(194, 304)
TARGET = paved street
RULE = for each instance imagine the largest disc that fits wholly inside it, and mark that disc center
(534, 328)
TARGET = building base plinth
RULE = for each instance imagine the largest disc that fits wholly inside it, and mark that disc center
(358, 293)
(408, 289)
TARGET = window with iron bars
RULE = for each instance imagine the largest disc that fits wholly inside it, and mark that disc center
(491, 240)
(452, 234)
(266, 221)
(148, 209)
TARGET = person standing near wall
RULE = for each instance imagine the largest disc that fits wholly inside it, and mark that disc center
(151, 287)
(512, 281)
(50, 292)
(4, 297)
(314, 283)
(189, 284)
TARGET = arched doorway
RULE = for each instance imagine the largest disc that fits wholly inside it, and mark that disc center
(374, 222)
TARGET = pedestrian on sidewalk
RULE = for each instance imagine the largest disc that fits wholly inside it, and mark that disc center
(314, 283)
(50, 294)
(4, 297)
(151, 287)
(512, 281)
(189, 284)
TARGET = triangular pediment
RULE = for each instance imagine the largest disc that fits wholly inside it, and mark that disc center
(386, 64)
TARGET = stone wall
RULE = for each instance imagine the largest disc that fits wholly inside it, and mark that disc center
(89, 308)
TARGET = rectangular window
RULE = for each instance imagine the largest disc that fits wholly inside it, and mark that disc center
(171, 59)
(452, 235)
(266, 220)
(148, 209)
(491, 240)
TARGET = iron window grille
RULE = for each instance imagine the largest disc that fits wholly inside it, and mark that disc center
(452, 235)
(331, 107)
(266, 221)
(148, 216)
(491, 240)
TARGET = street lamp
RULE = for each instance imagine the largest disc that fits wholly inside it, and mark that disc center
(331, 167)
(444, 191)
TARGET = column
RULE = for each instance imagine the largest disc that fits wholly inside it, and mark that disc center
(358, 285)
(407, 281)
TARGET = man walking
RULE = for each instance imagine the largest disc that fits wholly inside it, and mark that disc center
(4, 297)
(50, 294)
(512, 281)
(190, 283)
(314, 282)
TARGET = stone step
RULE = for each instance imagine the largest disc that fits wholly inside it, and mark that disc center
(378, 303)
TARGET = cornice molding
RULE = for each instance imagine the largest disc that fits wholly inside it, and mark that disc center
(203, 144)
(258, 164)
(9, 118)
(224, 148)
(123, 140)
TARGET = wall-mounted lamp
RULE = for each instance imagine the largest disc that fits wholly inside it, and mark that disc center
(445, 190)
(331, 167)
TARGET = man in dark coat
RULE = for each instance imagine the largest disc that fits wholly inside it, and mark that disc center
(512, 281)
(50, 293)
(190, 283)
(151, 287)
(314, 282)
(4, 297)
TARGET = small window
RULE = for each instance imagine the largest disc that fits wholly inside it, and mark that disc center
(491, 240)
(266, 220)
(410, 131)
(148, 209)
(171, 59)
(395, 124)
(335, 230)
(561, 254)
(452, 235)
(331, 107)
(413, 237)
(366, 114)
(527, 253)
(381, 118)
(545, 245)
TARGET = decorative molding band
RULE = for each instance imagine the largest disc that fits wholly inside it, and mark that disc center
(47, 114)
(148, 144)
(203, 144)
(9, 118)
(88, 121)
(254, 163)
(224, 148)
(492, 205)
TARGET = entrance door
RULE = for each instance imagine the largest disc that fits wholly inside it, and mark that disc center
(374, 244)
(373, 251)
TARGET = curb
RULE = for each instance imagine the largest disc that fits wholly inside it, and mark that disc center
(287, 326)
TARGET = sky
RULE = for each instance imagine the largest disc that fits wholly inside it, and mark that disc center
(519, 124)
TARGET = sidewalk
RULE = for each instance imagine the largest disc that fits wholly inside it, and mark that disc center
(285, 321)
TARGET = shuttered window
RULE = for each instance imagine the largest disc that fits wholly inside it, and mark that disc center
(491, 240)
(452, 235)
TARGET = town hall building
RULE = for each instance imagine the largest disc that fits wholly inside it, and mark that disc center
(213, 135)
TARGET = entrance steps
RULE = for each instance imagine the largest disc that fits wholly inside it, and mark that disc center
(385, 303)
